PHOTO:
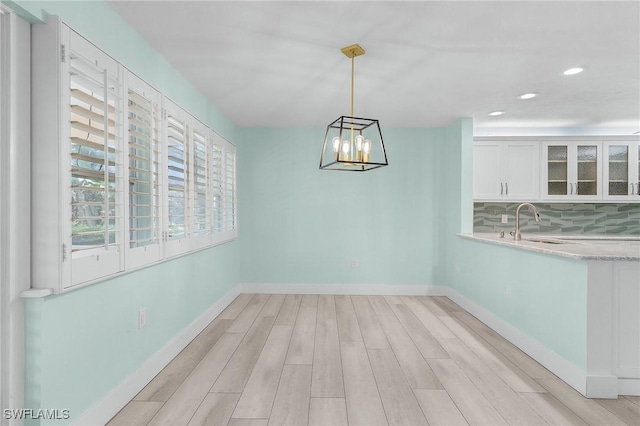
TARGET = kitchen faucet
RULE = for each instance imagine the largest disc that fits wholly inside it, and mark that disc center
(516, 234)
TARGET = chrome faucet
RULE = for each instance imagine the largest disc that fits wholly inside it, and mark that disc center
(516, 234)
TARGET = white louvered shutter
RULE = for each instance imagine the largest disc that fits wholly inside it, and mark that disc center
(177, 180)
(216, 168)
(229, 193)
(201, 218)
(96, 161)
(144, 122)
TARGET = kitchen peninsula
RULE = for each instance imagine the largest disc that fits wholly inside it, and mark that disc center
(572, 304)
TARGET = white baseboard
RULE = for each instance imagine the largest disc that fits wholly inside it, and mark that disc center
(119, 396)
(370, 289)
(572, 375)
(629, 387)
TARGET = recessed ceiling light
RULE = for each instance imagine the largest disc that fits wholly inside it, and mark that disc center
(573, 71)
(496, 113)
(527, 96)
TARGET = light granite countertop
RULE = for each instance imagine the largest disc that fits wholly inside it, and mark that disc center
(625, 248)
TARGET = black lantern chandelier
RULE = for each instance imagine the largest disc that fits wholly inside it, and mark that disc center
(353, 143)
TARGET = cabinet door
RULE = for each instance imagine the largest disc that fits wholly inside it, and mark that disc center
(487, 175)
(620, 171)
(572, 171)
(555, 171)
(520, 164)
(588, 166)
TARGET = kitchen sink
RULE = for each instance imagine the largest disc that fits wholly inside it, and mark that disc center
(546, 240)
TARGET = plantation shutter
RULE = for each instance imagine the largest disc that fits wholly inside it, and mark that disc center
(200, 217)
(177, 177)
(144, 120)
(95, 130)
(93, 156)
(229, 194)
(216, 186)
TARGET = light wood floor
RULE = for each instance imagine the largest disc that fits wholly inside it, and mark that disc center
(359, 360)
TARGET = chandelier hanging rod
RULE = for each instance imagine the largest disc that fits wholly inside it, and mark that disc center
(351, 52)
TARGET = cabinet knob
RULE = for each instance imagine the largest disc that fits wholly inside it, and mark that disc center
(571, 186)
(501, 189)
(506, 191)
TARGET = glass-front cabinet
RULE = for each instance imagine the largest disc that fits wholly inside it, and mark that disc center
(572, 170)
(621, 170)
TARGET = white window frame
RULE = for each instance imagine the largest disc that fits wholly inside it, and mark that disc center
(54, 46)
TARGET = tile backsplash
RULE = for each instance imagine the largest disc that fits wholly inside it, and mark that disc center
(569, 218)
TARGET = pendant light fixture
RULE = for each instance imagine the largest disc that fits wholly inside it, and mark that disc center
(353, 143)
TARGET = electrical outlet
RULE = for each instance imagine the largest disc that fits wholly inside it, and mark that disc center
(142, 318)
(508, 291)
(505, 218)
(355, 264)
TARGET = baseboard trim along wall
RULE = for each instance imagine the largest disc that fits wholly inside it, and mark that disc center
(356, 289)
(111, 404)
(572, 375)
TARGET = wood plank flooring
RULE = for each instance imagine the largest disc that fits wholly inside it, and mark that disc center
(359, 360)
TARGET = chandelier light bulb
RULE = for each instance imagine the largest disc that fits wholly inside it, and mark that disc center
(367, 146)
(345, 147)
(359, 142)
(336, 143)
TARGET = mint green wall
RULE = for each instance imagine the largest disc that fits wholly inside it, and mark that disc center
(303, 225)
(82, 344)
(549, 293)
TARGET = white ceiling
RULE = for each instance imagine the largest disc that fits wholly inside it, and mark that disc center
(428, 63)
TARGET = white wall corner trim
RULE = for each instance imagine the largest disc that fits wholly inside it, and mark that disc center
(356, 289)
(565, 370)
(602, 387)
(119, 396)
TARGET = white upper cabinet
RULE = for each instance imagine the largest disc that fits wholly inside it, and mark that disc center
(572, 170)
(559, 169)
(506, 170)
(621, 170)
